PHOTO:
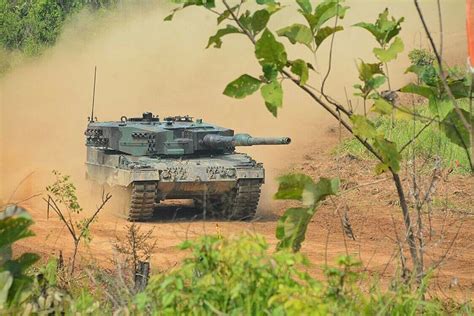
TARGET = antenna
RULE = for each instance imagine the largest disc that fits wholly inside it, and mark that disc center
(93, 95)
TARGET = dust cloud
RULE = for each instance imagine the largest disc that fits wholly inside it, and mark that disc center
(145, 64)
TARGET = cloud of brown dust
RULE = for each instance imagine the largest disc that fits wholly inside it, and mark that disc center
(145, 64)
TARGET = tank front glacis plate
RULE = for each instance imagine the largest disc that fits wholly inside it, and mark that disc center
(117, 169)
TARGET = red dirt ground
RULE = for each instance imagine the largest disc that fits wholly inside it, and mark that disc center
(371, 205)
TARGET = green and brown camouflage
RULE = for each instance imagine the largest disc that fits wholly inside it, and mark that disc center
(176, 158)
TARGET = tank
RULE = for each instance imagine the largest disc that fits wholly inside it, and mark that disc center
(153, 160)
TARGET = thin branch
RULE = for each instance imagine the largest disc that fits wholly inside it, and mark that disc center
(416, 136)
(89, 221)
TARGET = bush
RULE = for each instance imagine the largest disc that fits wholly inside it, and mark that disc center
(431, 144)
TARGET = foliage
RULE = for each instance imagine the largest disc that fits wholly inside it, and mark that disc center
(28, 27)
(136, 247)
(383, 31)
(14, 281)
(441, 107)
(292, 225)
(430, 144)
(62, 195)
(237, 275)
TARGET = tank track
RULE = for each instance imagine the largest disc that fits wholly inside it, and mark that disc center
(245, 200)
(142, 201)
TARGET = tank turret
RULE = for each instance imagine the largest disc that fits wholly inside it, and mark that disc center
(174, 136)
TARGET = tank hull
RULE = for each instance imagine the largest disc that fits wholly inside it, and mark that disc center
(153, 179)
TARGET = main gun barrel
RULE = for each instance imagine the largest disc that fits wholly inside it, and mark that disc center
(218, 141)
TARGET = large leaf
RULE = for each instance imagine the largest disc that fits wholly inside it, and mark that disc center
(390, 155)
(389, 54)
(300, 68)
(272, 93)
(19, 266)
(292, 225)
(440, 107)
(424, 91)
(324, 33)
(460, 89)
(386, 149)
(205, 3)
(363, 127)
(297, 33)
(243, 86)
(454, 128)
(367, 71)
(13, 229)
(259, 20)
(305, 6)
(216, 39)
(382, 107)
(255, 22)
(292, 186)
(6, 281)
(325, 11)
(269, 51)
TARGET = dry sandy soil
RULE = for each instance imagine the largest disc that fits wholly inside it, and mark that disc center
(370, 203)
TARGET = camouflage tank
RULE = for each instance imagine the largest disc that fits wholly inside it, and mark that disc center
(176, 158)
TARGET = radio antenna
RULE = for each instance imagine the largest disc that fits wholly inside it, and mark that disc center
(93, 95)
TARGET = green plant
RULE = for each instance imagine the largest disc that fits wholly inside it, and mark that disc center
(62, 194)
(15, 283)
(292, 225)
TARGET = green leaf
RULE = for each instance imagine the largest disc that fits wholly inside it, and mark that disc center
(19, 266)
(382, 107)
(367, 71)
(300, 68)
(13, 229)
(297, 33)
(363, 127)
(424, 91)
(269, 51)
(217, 38)
(265, 2)
(291, 228)
(292, 225)
(291, 186)
(454, 129)
(243, 86)
(305, 5)
(6, 281)
(325, 11)
(384, 29)
(440, 106)
(272, 93)
(204, 3)
(460, 89)
(376, 82)
(270, 72)
(259, 21)
(324, 33)
(389, 54)
(389, 152)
